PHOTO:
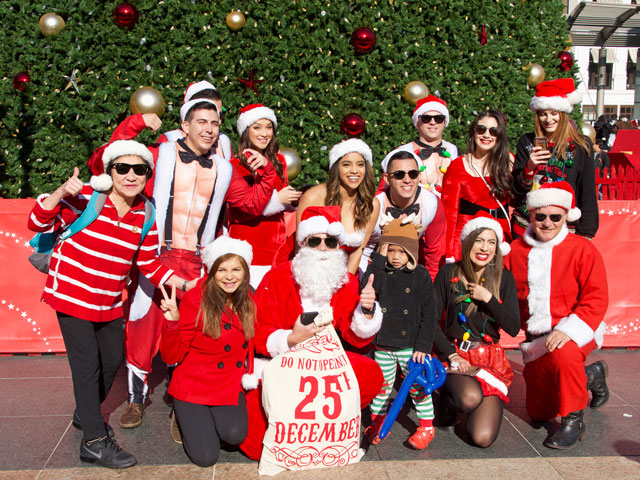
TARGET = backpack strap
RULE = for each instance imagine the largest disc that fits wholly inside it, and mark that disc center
(91, 212)
(149, 218)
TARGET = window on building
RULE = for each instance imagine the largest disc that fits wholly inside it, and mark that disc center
(610, 111)
(589, 113)
(631, 74)
(593, 75)
(626, 111)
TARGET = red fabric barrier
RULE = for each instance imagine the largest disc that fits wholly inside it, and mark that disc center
(28, 326)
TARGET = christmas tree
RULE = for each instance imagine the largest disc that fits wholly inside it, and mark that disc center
(472, 53)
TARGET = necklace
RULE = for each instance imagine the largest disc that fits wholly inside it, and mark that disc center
(462, 318)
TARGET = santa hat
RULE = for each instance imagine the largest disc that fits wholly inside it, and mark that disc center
(252, 113)
(483, 220)
(555, 194)
(184, 109)
(197, 87)
(428, 104)
(223, 245)
(559, 95)
(405, 235)
(385, 162)
(353, 145)
(320, 220)
(102, 181)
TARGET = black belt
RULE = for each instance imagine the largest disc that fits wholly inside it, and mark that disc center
(466, 207)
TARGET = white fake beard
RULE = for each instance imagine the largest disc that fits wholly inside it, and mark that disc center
(319, 274)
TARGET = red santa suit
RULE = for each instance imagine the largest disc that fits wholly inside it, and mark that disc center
(562, 285)
(279, 304)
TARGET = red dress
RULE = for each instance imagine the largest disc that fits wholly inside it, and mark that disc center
(459, 189)
(255, 214)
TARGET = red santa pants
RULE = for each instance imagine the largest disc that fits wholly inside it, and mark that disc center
(557, 383)
(142, 337)
(370, 381)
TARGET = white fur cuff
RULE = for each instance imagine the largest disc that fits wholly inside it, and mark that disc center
(533, 350)
(277, 342)
(576, 329)
(274, 206)
(362, 326)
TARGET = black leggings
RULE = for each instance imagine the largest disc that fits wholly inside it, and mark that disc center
(484, 414)
(203, 427)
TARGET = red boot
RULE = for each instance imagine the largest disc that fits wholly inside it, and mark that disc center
(421, 439)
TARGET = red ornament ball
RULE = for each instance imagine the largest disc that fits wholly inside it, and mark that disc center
(126, 15)
(363, 40)
(566, 61)
(20, 80)
(352, 125)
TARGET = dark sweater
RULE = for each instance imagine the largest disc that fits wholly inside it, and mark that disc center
(581, 177)
(505, 314)
(408, 305)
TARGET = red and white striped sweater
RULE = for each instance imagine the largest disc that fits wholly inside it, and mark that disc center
(88, 271)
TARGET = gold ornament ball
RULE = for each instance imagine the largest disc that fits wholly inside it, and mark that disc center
(589, 131)
(50, 24)
(294, 164)
(414, 91)
(536, 75)
(147, 100)
(235, 21)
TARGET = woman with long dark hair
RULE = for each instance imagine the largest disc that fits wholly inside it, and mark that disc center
(555, 151)
(259, 191)
(479, 180)
(210, 338)
(350, 186)
(479, 298)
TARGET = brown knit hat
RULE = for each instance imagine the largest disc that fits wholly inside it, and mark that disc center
(406, 236)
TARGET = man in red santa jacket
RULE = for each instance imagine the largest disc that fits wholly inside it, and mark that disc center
(315, 280)
(563, 296)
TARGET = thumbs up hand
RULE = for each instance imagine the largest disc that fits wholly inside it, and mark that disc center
(73, 185)
(368, 295)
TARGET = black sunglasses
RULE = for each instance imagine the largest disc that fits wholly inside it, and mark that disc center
(541, 217)
(123, 168)
(330, 242)
(480, 129)
(399, 174)
(427, 118)
(222, 113)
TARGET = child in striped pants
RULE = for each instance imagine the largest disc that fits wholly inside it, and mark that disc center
(405, 294)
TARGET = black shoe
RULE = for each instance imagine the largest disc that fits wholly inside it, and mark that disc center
(446, 416)
(571, 431)
(106, 452)
(597, 382)
(76, 424)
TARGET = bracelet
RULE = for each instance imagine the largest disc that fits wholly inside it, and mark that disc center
(184, 286)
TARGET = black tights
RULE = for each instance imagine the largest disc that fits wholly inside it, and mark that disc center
(484, 414)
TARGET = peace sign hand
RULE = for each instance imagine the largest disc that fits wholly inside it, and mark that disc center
(168, 304)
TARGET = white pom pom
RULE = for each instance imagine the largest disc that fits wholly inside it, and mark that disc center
(101, 183)
(574, 214)
(505, 248)
(249, 381)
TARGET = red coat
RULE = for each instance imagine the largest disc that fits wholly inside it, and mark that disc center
(254, 212)
(457, 184)
(279, 305)
(210, 370)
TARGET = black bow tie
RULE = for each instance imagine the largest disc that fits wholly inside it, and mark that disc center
(188, 157)
(396, 212)
(427, 150)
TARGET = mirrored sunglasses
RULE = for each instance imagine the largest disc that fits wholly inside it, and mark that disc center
(481, 129)
(330, 242)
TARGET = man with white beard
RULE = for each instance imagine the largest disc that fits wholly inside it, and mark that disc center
(316, 280)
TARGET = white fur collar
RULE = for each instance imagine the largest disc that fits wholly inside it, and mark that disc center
(531, 239)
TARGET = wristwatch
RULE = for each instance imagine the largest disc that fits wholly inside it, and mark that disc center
(184, 286)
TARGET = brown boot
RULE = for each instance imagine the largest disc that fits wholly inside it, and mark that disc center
(176, 436)
(132, 416)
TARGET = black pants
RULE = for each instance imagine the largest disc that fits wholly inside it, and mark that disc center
(94, 350)
(203, 427)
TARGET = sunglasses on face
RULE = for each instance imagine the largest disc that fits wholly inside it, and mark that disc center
(541, 217)
(222, 113)
(123, 168)
(399, 174)
(427, 118)
(330, 242)
(480, 129)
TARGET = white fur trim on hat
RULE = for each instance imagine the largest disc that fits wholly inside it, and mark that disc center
(250, 117)
(429, 107)
(385, 162)
(556, 197)
(559, 103)
(352, 145)
(184, 109)
(319, 224)
(484, 222)
(196, 88)
(120, 148)
(223, 245)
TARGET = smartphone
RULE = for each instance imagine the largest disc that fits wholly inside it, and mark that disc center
(306, 318)
(540, 142)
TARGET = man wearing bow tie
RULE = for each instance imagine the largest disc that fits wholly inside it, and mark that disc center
(401, 198)
(189, 189)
